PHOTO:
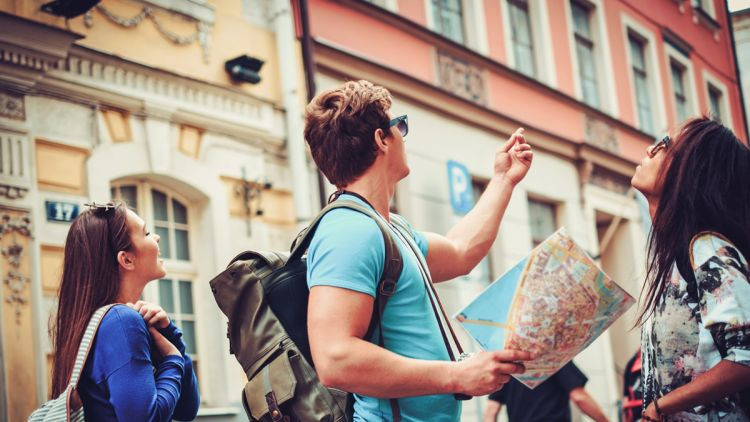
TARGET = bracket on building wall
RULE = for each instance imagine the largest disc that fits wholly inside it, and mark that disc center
(15, 279)
(251, 193)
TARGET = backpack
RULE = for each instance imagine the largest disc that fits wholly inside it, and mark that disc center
(67, 406)
(264, 296)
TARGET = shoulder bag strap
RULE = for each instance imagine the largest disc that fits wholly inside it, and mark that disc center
(437, 306)
(85, 347)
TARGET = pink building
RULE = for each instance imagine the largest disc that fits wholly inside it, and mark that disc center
(592, 81)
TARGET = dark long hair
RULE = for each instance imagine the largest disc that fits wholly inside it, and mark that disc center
(90, 279)
(705, 177)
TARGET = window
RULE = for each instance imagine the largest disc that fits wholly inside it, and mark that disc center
(176, 297)
(523, 45)
(168, 217)
(680, 95)
(542, 219)
(448, 18)
(714, 103)
(483, 271)
(641, 83)
(584, 45)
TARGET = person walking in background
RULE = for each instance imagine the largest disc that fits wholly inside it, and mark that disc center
(548, 402)
(696, 317)
(137, 369)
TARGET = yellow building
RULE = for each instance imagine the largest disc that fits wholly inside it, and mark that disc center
(133, 100)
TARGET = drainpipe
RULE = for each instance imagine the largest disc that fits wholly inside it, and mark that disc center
(286, 52)
(309, 64)
(730, 26)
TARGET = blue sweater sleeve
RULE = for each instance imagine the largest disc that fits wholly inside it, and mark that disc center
(138, 390)
(189, 402)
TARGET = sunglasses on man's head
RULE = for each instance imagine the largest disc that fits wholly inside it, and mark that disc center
(662, 144)
(401, 123)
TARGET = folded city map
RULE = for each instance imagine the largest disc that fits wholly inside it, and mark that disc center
(554, 303)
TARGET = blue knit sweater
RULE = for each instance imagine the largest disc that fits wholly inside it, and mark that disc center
(125, 379)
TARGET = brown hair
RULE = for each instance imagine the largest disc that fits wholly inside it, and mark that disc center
(90, 279)
(339, 128)
(704, 188)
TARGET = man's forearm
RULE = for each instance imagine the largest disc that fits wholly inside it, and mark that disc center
(587, 405)
(474, 234)
(361, 367)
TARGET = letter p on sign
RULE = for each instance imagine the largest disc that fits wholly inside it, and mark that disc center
(459, 182)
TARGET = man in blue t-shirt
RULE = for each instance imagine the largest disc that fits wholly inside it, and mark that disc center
(359, 146)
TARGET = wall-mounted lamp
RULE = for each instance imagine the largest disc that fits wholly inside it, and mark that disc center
(68, 8)
(244, 69)
(250, 191)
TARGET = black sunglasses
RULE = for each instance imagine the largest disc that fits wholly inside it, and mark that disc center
(662, 144)
(401, 123)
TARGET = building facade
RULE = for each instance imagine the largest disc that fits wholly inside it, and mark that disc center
(593, 82)
(133, 100)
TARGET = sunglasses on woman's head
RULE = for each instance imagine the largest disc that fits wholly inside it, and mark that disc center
(401, 123)
(104, 208)
(662, 144)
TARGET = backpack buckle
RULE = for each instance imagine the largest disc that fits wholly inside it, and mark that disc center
(388, 287)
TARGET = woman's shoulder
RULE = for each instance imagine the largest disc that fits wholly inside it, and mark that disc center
(706, 245)
(124, 327)
(125, 317)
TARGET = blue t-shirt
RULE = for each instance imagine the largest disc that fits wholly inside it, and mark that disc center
(123, 379)
(348, 251)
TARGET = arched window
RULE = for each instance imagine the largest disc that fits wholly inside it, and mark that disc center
(168, 215)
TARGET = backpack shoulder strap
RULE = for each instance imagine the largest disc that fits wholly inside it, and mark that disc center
(85, 346)
(386, 285)
(393, 262)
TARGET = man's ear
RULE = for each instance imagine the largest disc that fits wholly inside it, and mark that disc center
(126, 260)
(380, 139)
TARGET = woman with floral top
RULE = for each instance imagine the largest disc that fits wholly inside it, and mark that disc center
(696, 318)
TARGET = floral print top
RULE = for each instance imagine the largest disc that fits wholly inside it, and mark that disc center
(696, 325)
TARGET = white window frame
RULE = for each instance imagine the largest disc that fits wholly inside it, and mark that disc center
(602, 55)
(710, 9)
(391, 5)
(176, 269)
(658, 113)
(726, 111)
(557, 204)
(672, 54)
(475, 26)
(541, 39)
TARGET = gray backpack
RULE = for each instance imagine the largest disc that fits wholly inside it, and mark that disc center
(264, 296)
(67, 406)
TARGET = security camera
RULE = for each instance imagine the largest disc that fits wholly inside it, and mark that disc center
(244, 69)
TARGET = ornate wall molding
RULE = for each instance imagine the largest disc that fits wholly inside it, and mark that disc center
(600, 134)
(12, 106)
(17, 282)
(132, 86)
(202, 33)
(461, 78)
(15, 179)
(609, 180)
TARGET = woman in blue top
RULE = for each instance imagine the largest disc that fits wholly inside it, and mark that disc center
(137, 369)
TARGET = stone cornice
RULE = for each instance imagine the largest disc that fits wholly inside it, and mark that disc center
(29, 48)
(94, 77)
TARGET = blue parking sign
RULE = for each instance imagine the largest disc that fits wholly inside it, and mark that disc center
(459, 181)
